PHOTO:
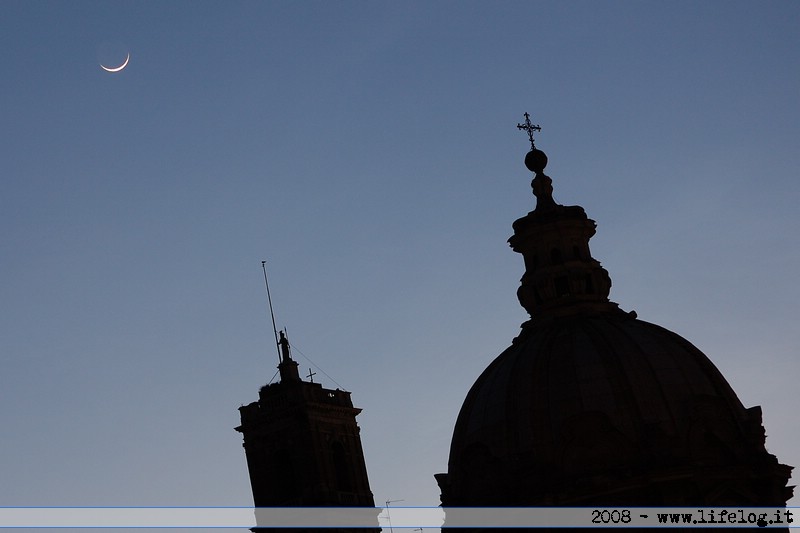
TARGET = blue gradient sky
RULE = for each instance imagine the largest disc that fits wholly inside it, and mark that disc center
(368, 151)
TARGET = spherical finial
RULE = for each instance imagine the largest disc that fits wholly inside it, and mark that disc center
(536, 160)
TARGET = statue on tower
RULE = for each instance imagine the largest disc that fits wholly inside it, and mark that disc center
(284, 345)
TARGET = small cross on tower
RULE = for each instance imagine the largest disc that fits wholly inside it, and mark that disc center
(311, 375)
(530, 128)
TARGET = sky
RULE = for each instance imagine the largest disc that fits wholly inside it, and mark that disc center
(368, 151)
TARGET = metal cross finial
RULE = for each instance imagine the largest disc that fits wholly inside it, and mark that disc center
(530, 128)
(311, 375)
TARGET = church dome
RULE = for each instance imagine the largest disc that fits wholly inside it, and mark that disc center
(594, 409)
(591, 406)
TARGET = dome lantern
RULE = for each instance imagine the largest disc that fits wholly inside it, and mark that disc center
(561, 277)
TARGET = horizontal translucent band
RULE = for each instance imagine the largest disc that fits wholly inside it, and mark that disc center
(394, 517)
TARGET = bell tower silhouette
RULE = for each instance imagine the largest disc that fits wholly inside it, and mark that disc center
(303, 444)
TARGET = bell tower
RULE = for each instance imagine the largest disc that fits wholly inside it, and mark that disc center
(302, 443)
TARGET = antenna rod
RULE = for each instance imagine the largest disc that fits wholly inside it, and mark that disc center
(271, 313)
(388, 517)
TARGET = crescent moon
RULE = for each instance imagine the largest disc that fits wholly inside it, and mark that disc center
(117, 69)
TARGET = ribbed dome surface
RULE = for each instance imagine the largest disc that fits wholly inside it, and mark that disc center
(635, 373)
(579, 404)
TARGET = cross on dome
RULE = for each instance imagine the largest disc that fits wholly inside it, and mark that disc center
(530, 128)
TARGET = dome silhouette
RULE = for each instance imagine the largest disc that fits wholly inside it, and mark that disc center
(592, 406)
(606, 409)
